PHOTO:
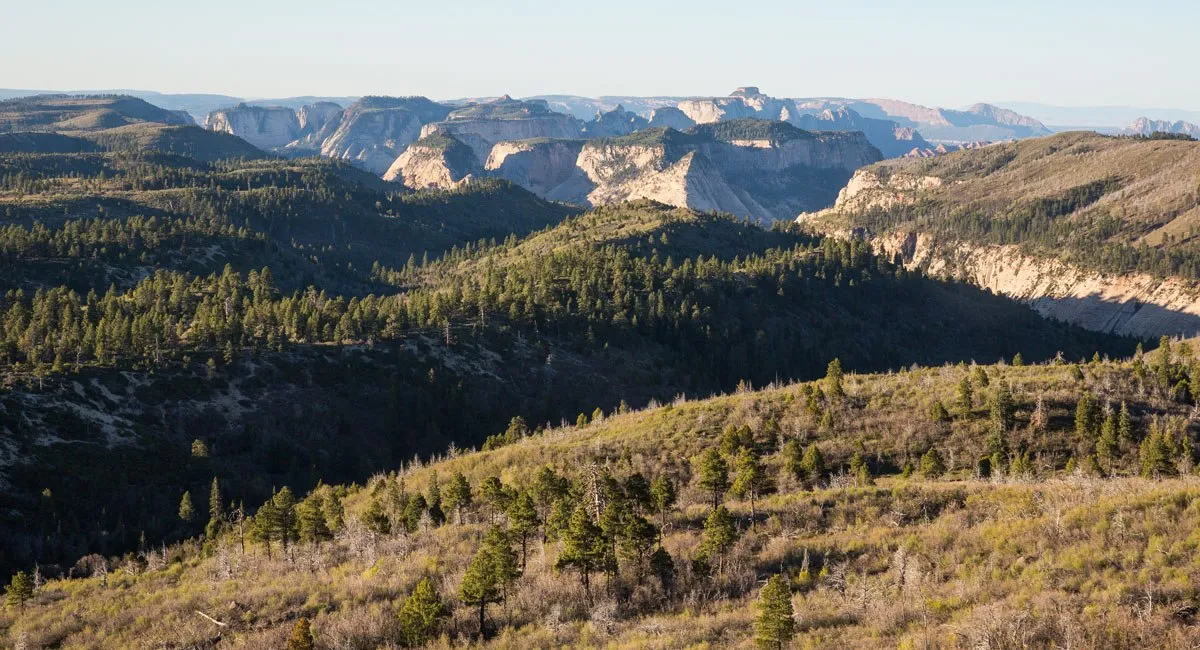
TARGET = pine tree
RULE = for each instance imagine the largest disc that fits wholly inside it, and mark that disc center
(1108, 445)
(714, 474)
(931, 464)
(812, 465)
(636, 538)
(663, 567)
(662, 494)
(1155, 455)
(1124, 426)
(187, 512)
(504, 560)
(310, 520)
(523, 521)
(495, 496)
(480, 585)
(458, 495)
(216, 511)
(1086, 411)
(720, 533)
(750, 480)
(859, 470)
(302, 638)
(793, 459)
(422, 614)
(1000, 418)
(965, 394)
(938, 413)
(833, 379)
(775, 624)
(583, 548)
(19, 590)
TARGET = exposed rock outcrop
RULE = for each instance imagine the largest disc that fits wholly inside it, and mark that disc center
(890, 138)
(435, 161)
(671, 117)
(742, 103)
(266, 127)
(616, 122)
(547, 168)
(481, 126)
(374, 131)
(1147, 126)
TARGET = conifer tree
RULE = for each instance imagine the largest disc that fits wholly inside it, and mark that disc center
(302, 638)
(713, 474)
(421, 614)
(523, 521)
(833, 379)
(812, 465)
(187, 512)
(720, 533)
(1086, 412)
(931, 464)
(662, 494)
(750, 480)
(19, 590)
(458, 495)
(583, 548)
(216, 511)
(793, 458)
(481, 585)
(775, 624)
(965, 394)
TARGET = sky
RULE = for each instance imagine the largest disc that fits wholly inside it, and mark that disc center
(935, 52)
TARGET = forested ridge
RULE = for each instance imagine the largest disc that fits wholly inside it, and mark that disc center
(172, 328)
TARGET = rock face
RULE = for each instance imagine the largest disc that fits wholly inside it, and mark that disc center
(481, 126)
(1131, 304)
(545, 167)
(981, 122)
(671, 118)
(374, 131)
(313, 117)
(750, 168)
(435, 161)
(890, 138)
(266, 127)
(742, 103)
(1147, 126)
(614, 123)
(1155, 200)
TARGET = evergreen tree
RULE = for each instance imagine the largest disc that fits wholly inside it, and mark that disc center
(187, 512)
(859, 470)
(1086, 416)
(965, 394)
(523, 521)
(813, 464)
(216, 511)
(1000, 417)
(938, 413)
(663, 566)
(458, 495)
(1155, 455)
(495, 496)
(310, 520)
(750, 480)
(637, 537)
(583, 549)
(833, 379)
(19, 590)
(713, 474)
(720, 533)
(637, 491)
(302, 638)
(1124, 426)
(481, 584)
(1108, 446)
(775, 624)
(931, 464)
(662, 494)
(793, 459)
(421, 614)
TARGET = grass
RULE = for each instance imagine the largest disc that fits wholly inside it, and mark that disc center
(1043, 560)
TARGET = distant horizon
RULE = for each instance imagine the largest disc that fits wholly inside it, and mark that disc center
(471, 97)
(933, 52)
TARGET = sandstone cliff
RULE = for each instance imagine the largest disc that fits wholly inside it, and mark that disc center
(890, 138)
(1113, 255)
(547, 168)
(1147, 126)
(742, 103)
(614, 123)
(435, 161)
(671, 118)
(266, 127)
(374, 131)
(481, 126)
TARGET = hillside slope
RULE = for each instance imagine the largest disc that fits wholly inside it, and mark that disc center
(1095, 230)
(1038, 550)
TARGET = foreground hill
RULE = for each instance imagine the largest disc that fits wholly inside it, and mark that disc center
(1022, 525)
(1090, 229)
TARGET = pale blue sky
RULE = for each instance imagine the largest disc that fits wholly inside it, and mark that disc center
(950, 53)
